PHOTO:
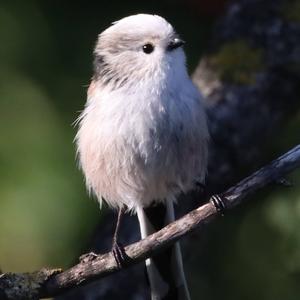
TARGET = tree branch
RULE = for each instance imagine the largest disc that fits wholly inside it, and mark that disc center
(47, 283)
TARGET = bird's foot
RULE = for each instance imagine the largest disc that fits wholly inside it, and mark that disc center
(120, 255)
(219, 203)
(88, 257)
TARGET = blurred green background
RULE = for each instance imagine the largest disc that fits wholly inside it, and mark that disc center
(46, 218)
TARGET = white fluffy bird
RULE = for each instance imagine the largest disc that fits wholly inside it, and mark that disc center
(142, 136)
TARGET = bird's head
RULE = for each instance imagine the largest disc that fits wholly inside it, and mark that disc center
(136, 49)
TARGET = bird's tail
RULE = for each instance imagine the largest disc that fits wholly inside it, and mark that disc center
(165, 270)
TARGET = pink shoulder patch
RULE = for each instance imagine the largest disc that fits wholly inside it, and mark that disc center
(92, 88)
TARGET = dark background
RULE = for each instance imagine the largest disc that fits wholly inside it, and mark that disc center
(46, 218)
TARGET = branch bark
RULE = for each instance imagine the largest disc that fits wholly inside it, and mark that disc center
(47, 283)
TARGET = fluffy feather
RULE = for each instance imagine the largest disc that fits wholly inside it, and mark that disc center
(144, 140)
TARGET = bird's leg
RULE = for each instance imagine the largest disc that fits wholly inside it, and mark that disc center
(117, 248)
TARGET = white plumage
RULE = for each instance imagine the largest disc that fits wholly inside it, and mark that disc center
(148, 139)
(143, 136)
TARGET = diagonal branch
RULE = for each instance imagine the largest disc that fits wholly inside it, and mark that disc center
(47, 283)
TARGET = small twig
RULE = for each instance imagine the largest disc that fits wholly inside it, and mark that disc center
(104, 265)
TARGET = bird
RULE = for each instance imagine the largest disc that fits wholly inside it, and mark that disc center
(142, 136)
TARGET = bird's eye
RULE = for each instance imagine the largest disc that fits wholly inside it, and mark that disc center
(148, 48)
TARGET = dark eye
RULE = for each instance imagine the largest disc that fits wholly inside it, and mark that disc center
(148, 48)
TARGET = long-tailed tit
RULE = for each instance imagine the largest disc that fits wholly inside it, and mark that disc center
(142, 136)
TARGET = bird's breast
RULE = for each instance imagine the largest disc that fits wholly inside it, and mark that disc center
(136, 150)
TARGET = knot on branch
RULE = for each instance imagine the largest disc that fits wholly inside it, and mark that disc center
(24, 285)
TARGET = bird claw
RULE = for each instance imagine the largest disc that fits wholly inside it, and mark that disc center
(120, 255)
(218, 202)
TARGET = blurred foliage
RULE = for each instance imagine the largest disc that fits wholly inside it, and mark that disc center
(291, 10)
(237, 62)
(46, 218)
(256, 254)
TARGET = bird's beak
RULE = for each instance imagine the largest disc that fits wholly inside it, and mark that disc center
(175, 43)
